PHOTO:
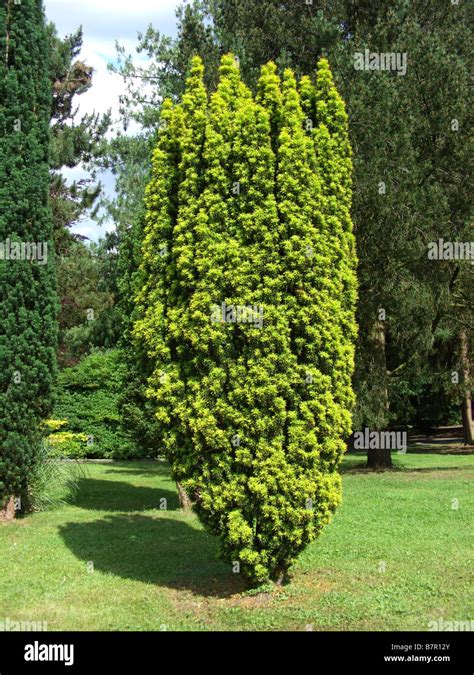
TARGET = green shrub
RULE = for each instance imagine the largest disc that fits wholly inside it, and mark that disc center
(87, 401)
(65, 443)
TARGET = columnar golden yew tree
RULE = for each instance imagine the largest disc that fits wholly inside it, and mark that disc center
(247, 307)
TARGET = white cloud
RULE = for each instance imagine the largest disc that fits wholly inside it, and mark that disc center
(91, 230)
(104, 22)
(98, 20)
(112, 19)
(106, 87)
(134, 8)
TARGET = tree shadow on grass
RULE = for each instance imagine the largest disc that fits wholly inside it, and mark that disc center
(361, 467)
(144, 468)
(112, 495)
(435, 469)
(354, 466)
(159, 551)
(443, 450)
(356, 462)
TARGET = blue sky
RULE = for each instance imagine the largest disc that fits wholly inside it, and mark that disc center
(104, 22)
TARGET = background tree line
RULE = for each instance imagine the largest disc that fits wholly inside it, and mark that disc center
(412, 175)
(411, 137)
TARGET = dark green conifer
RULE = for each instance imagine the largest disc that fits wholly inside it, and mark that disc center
(28, 305)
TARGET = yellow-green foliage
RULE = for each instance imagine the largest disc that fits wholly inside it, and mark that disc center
(246, 208)
(54, 425)
(64, 443)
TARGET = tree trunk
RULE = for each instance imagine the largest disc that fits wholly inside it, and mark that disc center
(281, 575)
(467, 416)
(184, 501)
(378, 340)
(379, 459)
(7, 510)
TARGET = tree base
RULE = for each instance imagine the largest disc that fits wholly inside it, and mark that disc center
(467, 422)
(379, 459)
(7, 510)
(184, 501)
(281, 577)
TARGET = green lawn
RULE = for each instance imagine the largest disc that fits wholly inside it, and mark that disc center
(396, 556)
